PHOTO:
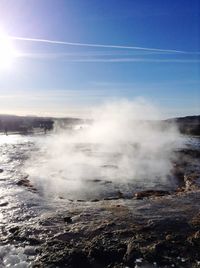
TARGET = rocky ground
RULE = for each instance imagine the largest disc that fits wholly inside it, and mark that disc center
(154, 228)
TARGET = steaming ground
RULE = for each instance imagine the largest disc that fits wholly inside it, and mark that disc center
(111, 156)
(122, 150)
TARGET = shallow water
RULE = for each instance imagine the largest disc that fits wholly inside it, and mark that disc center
(21, 207)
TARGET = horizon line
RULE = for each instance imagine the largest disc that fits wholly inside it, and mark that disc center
(79, 117)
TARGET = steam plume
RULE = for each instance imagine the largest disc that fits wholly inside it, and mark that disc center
(120, 146)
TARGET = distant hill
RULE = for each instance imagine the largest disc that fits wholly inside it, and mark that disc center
(28, 124)
(24, 124)
(187, 125)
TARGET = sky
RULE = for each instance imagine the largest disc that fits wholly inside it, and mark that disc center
(75, 54)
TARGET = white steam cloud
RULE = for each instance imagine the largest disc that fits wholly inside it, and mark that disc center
(122, 145)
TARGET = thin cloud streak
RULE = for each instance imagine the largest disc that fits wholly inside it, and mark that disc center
(87, 54)
(79, 57)
(124, 60)
(95, 45)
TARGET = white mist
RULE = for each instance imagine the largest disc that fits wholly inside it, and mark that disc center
(124, 144)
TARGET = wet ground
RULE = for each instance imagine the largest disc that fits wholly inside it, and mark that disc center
(126, 227)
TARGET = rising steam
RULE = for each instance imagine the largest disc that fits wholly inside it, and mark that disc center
(124, 143)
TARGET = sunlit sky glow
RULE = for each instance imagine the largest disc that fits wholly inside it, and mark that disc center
(7, 52)
(63, 57)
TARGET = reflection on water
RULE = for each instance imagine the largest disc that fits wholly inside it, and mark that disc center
(20, 206)
(16, 149)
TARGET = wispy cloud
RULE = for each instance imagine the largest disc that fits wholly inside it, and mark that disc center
(58, 102)
(52, 94)
(95, 45)
(127, 60)
(154, 85)
(107, 58)
(56, 55)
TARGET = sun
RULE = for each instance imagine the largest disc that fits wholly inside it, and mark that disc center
(7, 52)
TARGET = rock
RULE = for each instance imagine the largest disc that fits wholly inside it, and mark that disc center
(106, 255)
(132, 253)
(78, 259)
(66, 236)
(33, 241)
(120, 194)
(180, 190)
(195, 221)
(195, 239)
(173, 225)
(107, 182)
(190, 152)
(1, 170)
(95, 200)
(197, 235)
(14, 229)
(190, 182)
(150, 193)
(169, 237)
(157, 251)
(111, 198)
(110, 166)
(4, 204)
(30, 250)
(26, 183)
(67, 219)
(96, 180)
(64, 257)
(105, 250)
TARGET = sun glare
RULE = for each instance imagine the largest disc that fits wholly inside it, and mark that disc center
(7, 53)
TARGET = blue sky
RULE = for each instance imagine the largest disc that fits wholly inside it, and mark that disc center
(62, 79)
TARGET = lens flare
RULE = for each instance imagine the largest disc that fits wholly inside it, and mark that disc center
(7, 52)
